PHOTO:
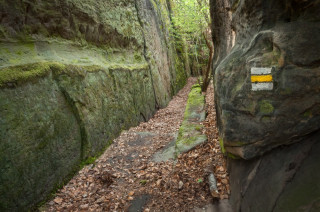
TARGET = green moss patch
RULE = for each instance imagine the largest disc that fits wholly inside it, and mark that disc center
(28, 72)
(130, 67)
(266, 107)
(230, 155)
(195, 97)
(190, 132)
(195, 100)
(23, 73)
(222, 146)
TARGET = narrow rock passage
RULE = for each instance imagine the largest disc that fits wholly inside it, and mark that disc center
(125, 178)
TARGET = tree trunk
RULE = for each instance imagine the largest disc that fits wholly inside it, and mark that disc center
(206, 78)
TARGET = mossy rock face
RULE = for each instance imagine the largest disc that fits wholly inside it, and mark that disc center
(89, 32)
(108, 102)
(168, 69)
(52, 121)
(105, 23)
(190, 133)
(40, 142)
(22, 73)
(73, 74)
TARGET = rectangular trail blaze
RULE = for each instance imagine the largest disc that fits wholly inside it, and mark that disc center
(261, 79)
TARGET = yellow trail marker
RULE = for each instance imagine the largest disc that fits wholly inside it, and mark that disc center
(261, 78)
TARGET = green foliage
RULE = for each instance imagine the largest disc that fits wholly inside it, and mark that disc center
(190, 20)
(190, 16)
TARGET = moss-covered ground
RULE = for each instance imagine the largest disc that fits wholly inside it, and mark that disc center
(190, 132)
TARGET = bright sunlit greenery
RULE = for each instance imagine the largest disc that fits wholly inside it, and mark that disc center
(191, 20)
(191, 17)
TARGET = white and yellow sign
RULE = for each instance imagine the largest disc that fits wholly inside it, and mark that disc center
(261, 79)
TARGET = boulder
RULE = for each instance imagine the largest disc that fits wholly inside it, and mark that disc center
(266, 73)
(267, 90)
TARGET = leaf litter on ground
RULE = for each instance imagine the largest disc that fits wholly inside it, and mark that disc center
(126, 169)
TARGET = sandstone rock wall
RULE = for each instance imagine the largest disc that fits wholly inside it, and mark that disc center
(73, 75)
(258, 115)
(285, 179)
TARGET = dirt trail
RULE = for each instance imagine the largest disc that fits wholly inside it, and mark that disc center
(125, 178)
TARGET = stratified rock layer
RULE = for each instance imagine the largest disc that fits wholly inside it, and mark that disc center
(283, 37)
(73, 75)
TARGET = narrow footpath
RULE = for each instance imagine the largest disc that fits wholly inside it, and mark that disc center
(129, 176)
